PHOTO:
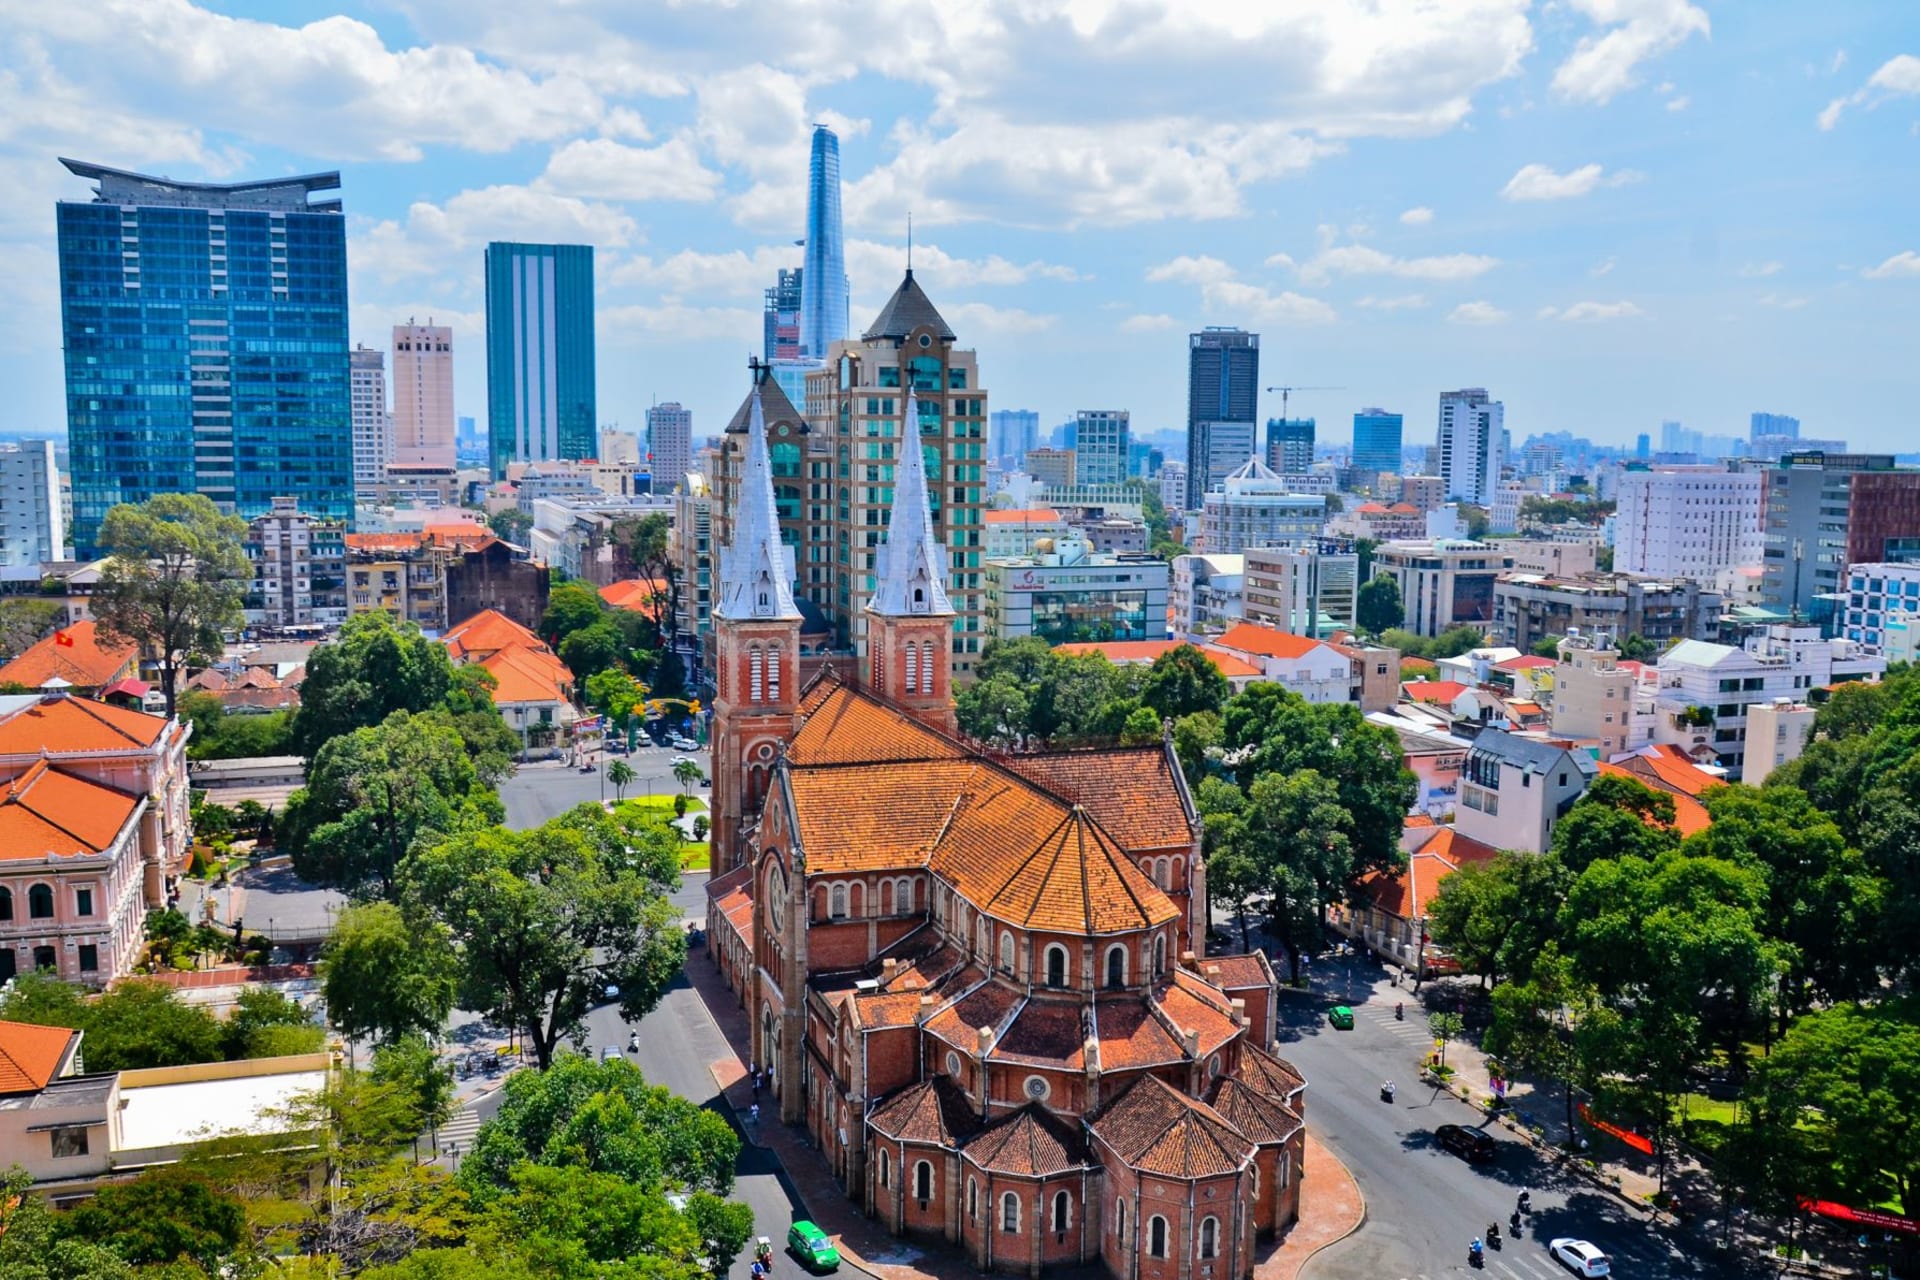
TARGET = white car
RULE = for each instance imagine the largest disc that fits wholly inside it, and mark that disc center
(1579, 1257)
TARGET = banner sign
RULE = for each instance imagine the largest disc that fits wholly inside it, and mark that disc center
(1865, 1217)
(1627, 1136)
(591, 724)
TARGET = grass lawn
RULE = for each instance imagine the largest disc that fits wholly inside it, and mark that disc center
(696, 855)
(1699, 1107)
(664, 804)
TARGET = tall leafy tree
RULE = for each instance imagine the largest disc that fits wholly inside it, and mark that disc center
(1615, 817)
(590, 650)
(545, 922)
(375, 668)
(1183, 681)
(571, 607)
(166, 1213)
(1292, 842)
(386, 976)
(1378, 607)
(174, 580)
(1495, 917)
(25, 621)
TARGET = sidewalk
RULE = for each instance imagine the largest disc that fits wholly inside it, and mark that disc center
(1331, 1207)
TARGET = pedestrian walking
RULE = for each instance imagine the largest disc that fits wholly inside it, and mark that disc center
(769, 1077)
(753, 1114)
(756, 1084)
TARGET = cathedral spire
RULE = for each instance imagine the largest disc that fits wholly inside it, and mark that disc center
(756, 571)
(913, 564)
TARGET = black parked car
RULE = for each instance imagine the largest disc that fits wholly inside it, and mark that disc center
(1472, 1145)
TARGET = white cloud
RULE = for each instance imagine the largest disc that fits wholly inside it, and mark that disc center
(1605, 64)
(1363, 260)
(1782, 301)
(1900, 265)
(1839, 61)
(1476, 313)
(1592, 312)
(1599, 269)
(1224, 294)
(1680, 102)
(1898, 77)
(1404, 302)
(600, 168)
(1538, 182)
(980, 317)
(1191, 270)
(1759, 270)
(1146, 323)
(431, 233)
(673, 322)
(1419, 216)
(738, 274)
(939, 270)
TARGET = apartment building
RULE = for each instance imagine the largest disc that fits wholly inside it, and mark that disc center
(1310, 590)
(1592, 698)
(1444, 582)
(442, 576)
(1514, 790)
(1689, 522)
(1531, 607)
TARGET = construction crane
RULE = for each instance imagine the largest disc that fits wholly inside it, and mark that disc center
(1285, 392)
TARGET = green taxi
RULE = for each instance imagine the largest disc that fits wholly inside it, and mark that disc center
(1341, 1017)
(810, 1244)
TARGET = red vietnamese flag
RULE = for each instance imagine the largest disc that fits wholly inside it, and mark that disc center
(63, 639)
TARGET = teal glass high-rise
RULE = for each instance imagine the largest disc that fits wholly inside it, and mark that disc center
(205, 330)
(1376, 440)
(823, 278)
(541, 404)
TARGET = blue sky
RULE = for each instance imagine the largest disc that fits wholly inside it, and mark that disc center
(1608, 212)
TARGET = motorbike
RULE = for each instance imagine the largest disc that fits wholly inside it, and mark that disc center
(1399, 1012)
(1525, 1205)
(1476, 1255)
(1493, 1235)
(1514, 1223)
(1386, 1092)
(633, 1043)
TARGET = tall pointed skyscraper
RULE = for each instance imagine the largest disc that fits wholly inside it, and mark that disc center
(823, 278)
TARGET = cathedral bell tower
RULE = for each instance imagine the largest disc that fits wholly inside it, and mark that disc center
(909, 619)
(757, 661)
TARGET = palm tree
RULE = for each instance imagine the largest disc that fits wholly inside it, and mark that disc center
(620, 773)
(687, 773)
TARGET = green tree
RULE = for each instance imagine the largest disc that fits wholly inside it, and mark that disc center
(1446, 1027)
(1546, 647)
(32, 1246)
(1539, 1023)
(25, 621)
(1183, 681)
(144, 1024)
(1194, 737)
(571, 607)
(409, 1065)
(1296, 839)
(1494, 917)
(371, 794)
(688, 775)
(165, 1214)
(1477, 520)
(1142, 728)
(590, 650)
(267, 1024)
(375, 668)
(649, 547)
(1615, 817)
(42, 999)
(174, 580)
(604, 1117)
(511, 525)
(621, 775)
(995, 710)
(616, 693)
(545, 921)
(387, 976)
(1378, 608)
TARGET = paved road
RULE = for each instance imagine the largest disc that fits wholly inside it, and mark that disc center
(1424, 1204)
(548, 788)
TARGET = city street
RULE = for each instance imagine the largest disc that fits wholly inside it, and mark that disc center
(1425, 1204)
(547, 788)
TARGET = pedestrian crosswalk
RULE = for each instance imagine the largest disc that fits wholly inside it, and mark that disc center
(1412, 1028)
(457, 1134)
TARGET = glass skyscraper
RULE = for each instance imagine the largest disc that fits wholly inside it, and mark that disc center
(1223, 386)
(205, 328)
(541, 404)
(1377, 440)
(823, 275)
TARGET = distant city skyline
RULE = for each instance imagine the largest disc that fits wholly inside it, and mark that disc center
(1563, 194)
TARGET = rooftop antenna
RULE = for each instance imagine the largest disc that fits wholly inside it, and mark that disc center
(909, 242)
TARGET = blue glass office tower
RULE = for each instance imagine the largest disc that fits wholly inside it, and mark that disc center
(541, 404)
(1377, 440)
(205, 328)
(823, 275)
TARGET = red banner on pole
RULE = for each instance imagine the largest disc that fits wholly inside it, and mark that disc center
(1627, 1136)
(1865, 1217)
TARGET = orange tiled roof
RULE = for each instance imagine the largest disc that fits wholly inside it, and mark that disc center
(841, 725)
(1129, 652)
(30, 1055)
(1191, 1010)
(45, 812)
(1407, 893)
(959, 1022)
(1155, 1128)
(935, 1110)
(1439, 691)
(57, 725)
(1074, 880)
(641, 595)
(1238, 973)
(1251, 637)
(1525, 662)
(87, 663)
(1131, 1036)
(488, 632)
(528, 675)
(1689, 815)
(1672, 769)
(1026, 515)
(1260, 1116)
(1045, 1033)
(1272, 1075)
(1130, 791)
(888, 1009)
(1030, 1142)
(467, 537)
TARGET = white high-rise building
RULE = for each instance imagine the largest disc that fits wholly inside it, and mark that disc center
(1253, 507)
(1687, 522)
(423, 424)
(372, 424)
(1472, 444)
(33, 526)
(670, 444)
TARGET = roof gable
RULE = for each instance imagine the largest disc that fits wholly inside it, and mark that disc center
(1157, 1129)
(87, 662)
(1251, 637)
(935, 1110)
(60, 724)
(49, 813)
(1031, 1142)
(908, 308)
(31, 1056)
(1130, 791)
(488, 632)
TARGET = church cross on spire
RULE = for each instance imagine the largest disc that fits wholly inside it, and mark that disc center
(756, 570)
(913, 563)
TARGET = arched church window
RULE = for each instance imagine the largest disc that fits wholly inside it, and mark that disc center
(756, 673)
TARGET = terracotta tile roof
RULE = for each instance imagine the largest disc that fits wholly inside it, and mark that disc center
(1271, 1075)
(1525, 662)
(1045, 1033)
(1689, 815)
(844, 725)
(1416, 666)
(934, 1110)
(1407, 893)
(1440, 691)
(1260, 1116)
(640, 595)
(1155, 1128)
(1026, 515)
(731, 893)
(1132, 1037)
(62, 724)
(87, 663)
(528, 675)
(1667, 767)
(464, 536)
(1524, 708)
(1131, 791)
(1139, 652)
(488, 632)
(1189, 1010)
(30, 1055)
(875, 816)
(1239, 973)
(890, 1009)
(1030, 1142)
(1251, 637)
(47, 812)
(1074, 880)
(959, 1022)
